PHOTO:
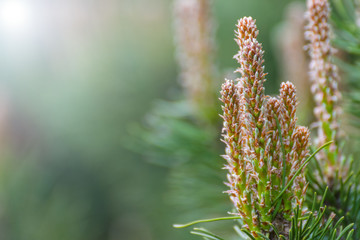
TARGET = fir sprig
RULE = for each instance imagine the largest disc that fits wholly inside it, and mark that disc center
(265, 148)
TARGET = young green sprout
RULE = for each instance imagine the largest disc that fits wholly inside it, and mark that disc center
(264, 146)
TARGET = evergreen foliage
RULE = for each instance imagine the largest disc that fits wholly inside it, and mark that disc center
(267, 153)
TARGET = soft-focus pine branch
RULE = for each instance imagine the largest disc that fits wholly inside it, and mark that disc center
(182, 134)
(343, 198)
(293, 61)
(325, 79)
(194, 39)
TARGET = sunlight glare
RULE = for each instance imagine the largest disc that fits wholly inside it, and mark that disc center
(15, 16)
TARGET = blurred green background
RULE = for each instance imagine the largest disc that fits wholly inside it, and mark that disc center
(75, 75)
